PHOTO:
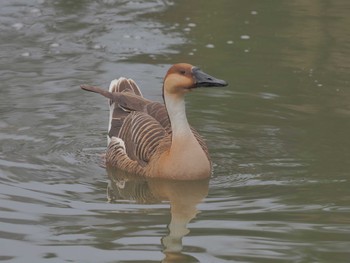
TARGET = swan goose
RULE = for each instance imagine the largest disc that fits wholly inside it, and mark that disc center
(152, 139)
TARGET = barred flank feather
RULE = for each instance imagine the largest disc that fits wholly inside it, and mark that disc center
(116, 156)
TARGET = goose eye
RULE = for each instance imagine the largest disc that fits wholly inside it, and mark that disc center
(182, 72)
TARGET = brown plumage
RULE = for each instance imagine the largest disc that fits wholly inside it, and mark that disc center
(154, 139)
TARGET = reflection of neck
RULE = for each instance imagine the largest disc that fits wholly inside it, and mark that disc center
(184, 197)
(180, 216)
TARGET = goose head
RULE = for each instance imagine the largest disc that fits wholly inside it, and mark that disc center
(182, 78)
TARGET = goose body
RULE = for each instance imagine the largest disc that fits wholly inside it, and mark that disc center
(153, 139)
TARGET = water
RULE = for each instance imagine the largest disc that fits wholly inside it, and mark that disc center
(278, 135)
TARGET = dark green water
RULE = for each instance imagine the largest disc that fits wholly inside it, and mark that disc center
(278, 134)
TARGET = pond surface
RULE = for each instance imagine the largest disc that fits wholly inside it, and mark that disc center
(278, 134)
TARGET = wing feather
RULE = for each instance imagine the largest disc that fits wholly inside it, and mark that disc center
(158, 112)
(122, 104)
(142, 135)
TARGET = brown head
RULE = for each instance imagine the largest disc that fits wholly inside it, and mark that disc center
(182, 78)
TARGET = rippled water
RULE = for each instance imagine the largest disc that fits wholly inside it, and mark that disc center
(278, 135)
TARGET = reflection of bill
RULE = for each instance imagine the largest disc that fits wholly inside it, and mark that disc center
(183, 196)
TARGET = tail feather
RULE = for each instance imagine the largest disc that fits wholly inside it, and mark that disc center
(125, 85)
(117, 113)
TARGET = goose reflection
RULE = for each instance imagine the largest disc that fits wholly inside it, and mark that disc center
(184, 196)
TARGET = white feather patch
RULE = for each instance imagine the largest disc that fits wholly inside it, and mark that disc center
(111, 109)
(115, 83)
(118, 141)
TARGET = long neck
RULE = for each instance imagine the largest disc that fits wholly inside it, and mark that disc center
(177, 114)
(186, 158)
